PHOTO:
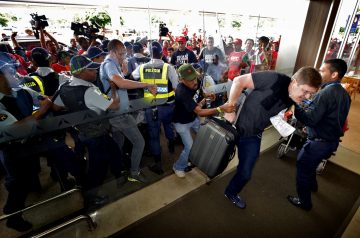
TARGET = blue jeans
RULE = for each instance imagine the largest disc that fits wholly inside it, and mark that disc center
(184, 131)
(165, 114)
(309, 157)
(125, 125)
(248, 152)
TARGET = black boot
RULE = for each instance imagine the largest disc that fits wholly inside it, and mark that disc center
(156, 168)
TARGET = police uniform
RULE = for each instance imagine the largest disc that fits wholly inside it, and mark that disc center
(81, 95)
(21, 168)
(166, 79)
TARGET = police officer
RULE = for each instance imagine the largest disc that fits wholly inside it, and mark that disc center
(21, 166)
(44, 80)
(81, 94)
(165, 77)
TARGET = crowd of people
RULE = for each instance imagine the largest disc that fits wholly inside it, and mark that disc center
(100, 76)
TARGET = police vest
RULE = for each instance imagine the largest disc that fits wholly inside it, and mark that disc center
(46, 85)
(35, 83)
(20, 106)
(157, 75)
(73, 98)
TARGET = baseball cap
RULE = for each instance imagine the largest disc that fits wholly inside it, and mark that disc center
(94, 52)
(188, 72)
(180, 39)
(128, 45)
(40, 54)
(155, 48)
(81, 62)
(237, 41)
(137, 47)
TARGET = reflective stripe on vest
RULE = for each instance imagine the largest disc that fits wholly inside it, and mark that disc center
(153, 75)
(39, 83)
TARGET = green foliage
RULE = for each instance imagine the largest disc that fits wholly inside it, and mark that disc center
(101, 18)
(5, 18)
(155, 19)
(122, 22)
(236, 24)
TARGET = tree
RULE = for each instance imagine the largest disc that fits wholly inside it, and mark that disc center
(5, 18)
(236, 24)
(102, 19)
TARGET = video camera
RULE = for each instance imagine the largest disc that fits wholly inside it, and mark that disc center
(37, 23)
(86, 29)
(163, 30)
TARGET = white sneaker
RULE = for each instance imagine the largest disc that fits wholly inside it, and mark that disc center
(179, 173)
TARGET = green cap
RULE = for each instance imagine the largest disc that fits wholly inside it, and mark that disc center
(187, 72)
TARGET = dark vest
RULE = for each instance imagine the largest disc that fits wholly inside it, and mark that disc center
(21, 106)
(73, 98)
(49, 83)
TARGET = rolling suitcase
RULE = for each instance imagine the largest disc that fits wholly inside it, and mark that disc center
(214, 145)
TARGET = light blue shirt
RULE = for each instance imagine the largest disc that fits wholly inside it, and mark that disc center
(107, 69)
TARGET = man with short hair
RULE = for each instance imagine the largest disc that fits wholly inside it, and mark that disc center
(187, 111)
(166, 79)
(325, 118)
(112, 70)
(271, 93)
(214, 59)
(182, 55)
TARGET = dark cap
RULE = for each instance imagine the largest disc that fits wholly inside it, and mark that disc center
(80, 62)
(128, 45)
(187, 72)
(40, 54)
(155, 48)
(137, 47)
(94, 52)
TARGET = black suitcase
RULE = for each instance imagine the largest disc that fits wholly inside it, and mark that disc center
(214, 144)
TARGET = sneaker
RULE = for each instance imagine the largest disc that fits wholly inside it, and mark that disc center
(236, 199)
(179, 173)
(138, 177)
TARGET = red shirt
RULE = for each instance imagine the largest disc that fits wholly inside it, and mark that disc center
(235, 64)
(58, 68)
